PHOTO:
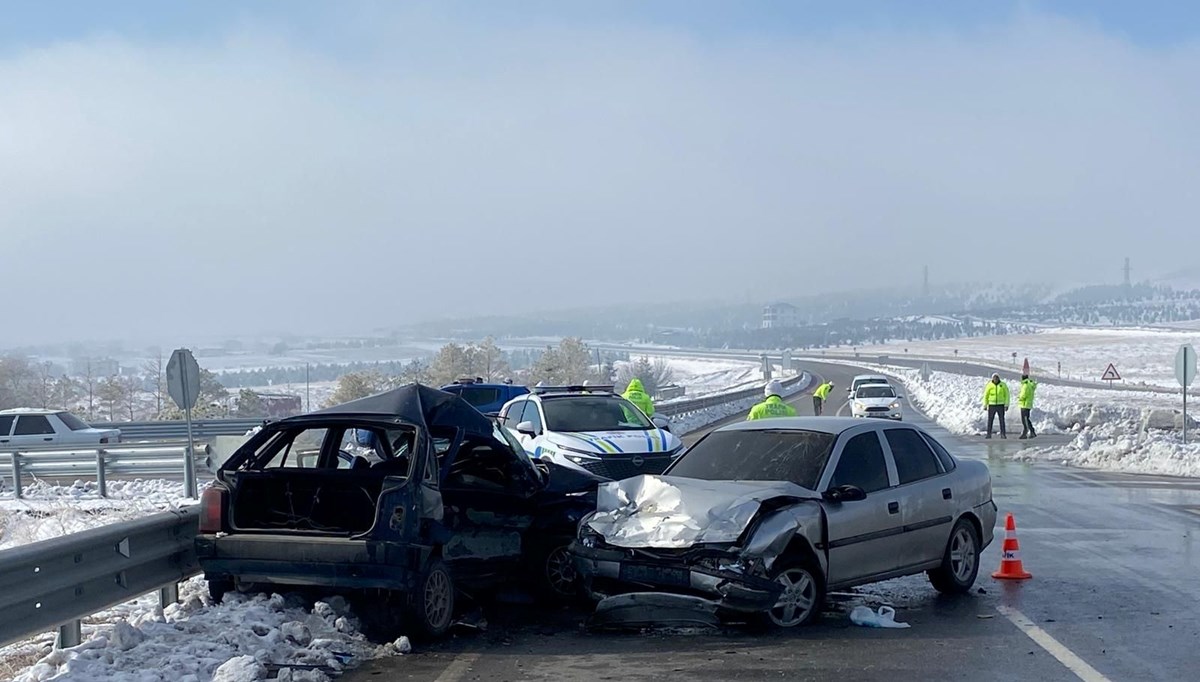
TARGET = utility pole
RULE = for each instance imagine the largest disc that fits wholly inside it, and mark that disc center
(1127, 269)
(925, 285)
(307, 389)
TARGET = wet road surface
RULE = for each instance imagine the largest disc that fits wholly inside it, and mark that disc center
(1113, 597)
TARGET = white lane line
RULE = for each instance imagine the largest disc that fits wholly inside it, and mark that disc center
(1043, 639)
(458, 668)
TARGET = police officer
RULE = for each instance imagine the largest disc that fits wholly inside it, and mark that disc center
(820, 396)
(996, 401)
(1025, 402)
(773, 406)
(636, 394)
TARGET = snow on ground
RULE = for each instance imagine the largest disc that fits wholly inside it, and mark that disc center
(1134, 432)
(48, 511)
(695, 421)
(242, 639)
(1140, 355)
(703, 377)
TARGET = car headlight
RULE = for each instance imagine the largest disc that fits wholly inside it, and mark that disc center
(858, 405)
(579, 456)
(895, 405)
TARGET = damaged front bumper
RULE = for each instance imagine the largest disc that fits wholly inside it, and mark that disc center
(606, 572)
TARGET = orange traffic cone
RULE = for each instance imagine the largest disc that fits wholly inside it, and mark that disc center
(1011, 567)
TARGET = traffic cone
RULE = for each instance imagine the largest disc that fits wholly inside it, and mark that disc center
(1011, 567)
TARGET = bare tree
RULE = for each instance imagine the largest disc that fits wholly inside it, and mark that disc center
(489, 360)
(90, 384)
(654, 375)
(153, 369)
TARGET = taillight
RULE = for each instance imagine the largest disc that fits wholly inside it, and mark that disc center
(212, 509)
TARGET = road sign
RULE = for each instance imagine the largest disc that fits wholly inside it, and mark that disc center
(1111, 374)
(1185, 365)
(183, 379)
(183, 384)
(925, 371)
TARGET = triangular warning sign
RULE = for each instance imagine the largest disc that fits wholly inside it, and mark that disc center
(1111, 374)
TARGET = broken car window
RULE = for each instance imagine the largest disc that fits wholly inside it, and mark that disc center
(758, 455)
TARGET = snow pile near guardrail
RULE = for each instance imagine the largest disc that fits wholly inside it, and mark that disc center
(1113, 448)
(244, 638)
(49, 511)
(695, 421)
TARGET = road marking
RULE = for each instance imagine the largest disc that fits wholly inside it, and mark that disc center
(458, 668)
(1043, 639)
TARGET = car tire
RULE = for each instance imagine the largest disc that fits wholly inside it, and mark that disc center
(803, 596)
(555, 574)
(431, 603)
(218, 588)
(960, 562)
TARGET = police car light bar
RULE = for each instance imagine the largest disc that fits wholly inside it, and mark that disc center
(575, 388)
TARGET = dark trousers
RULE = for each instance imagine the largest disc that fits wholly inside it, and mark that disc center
(994, 410)
(818, 405)
(1026, 423)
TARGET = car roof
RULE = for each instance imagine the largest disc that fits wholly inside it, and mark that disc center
(871, 376)
(30, 410)
(831, 425)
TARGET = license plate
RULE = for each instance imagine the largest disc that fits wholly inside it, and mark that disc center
(656, 575)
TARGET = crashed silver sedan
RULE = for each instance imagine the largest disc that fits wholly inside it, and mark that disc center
(762, 518)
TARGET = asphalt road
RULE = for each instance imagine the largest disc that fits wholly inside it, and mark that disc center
(1114, 596)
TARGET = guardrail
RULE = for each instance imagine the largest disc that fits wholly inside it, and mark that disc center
(682, 407)
(202, 429)
(123, 459)
(55, 583)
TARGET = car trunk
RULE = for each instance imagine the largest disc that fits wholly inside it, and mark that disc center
(318, 501)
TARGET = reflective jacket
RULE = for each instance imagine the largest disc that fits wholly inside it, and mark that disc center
(636, 394)
(996, 394)
(823, 390)
(1025, 396)
(773, 406)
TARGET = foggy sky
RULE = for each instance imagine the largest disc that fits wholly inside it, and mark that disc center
(431, 164)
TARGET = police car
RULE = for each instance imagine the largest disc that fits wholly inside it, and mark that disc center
(592, 429)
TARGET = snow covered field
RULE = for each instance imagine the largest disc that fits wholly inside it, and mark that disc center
(1133, 432)
(1140, 355)
(48, 511)
(703, 377)
(242, 639)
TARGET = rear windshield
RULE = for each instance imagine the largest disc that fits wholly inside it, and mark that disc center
(74, 423)
(872, 391)
(759, 455)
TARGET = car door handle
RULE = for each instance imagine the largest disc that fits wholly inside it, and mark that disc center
(47, 439)
(947, 494)
(893, 507)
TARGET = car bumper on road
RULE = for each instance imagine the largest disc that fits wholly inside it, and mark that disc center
(293, 560)
(604, 570)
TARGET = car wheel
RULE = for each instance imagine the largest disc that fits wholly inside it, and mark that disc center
(803, 593)
(218, 588)
(431, 604)
(960, 563)
(560, 580)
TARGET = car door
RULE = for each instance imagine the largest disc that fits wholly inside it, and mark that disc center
(865, 537)
(6, 426)
(926, 496)
(34, 430)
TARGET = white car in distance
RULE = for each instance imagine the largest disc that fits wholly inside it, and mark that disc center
(876, 400)
(23, 428)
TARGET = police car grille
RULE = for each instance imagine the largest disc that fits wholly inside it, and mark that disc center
(618, 468)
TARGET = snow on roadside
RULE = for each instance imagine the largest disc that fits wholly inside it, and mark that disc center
(697, 420)
(1134, 432)
(48, 511)
(196, 641)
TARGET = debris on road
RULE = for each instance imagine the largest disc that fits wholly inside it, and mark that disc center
(885, 617)
(653, 609)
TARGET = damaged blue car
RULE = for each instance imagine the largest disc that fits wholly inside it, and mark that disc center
(411, 497)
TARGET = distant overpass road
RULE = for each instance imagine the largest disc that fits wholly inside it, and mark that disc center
(1114, 559)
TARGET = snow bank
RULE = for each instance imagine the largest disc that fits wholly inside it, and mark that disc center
(1112, 448)
(243, 639)
(695, 421)
(48, 511)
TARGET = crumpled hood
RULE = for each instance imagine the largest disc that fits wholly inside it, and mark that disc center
(652, 441)
(669, 512)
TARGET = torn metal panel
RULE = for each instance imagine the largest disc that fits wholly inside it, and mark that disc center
(667, 512)
(645, 609)
(771, 537)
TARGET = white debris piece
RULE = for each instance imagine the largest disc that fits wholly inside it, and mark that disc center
(240, 669)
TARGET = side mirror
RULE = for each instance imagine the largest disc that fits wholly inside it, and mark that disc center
(662, 423)
(526, 429)
(845, 493)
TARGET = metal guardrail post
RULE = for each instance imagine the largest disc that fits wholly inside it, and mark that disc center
(168, 594)
(16, 474)
(101, 478)
(69, 634)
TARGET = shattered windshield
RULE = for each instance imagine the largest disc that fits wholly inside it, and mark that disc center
(758, 455)
(593, 413)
